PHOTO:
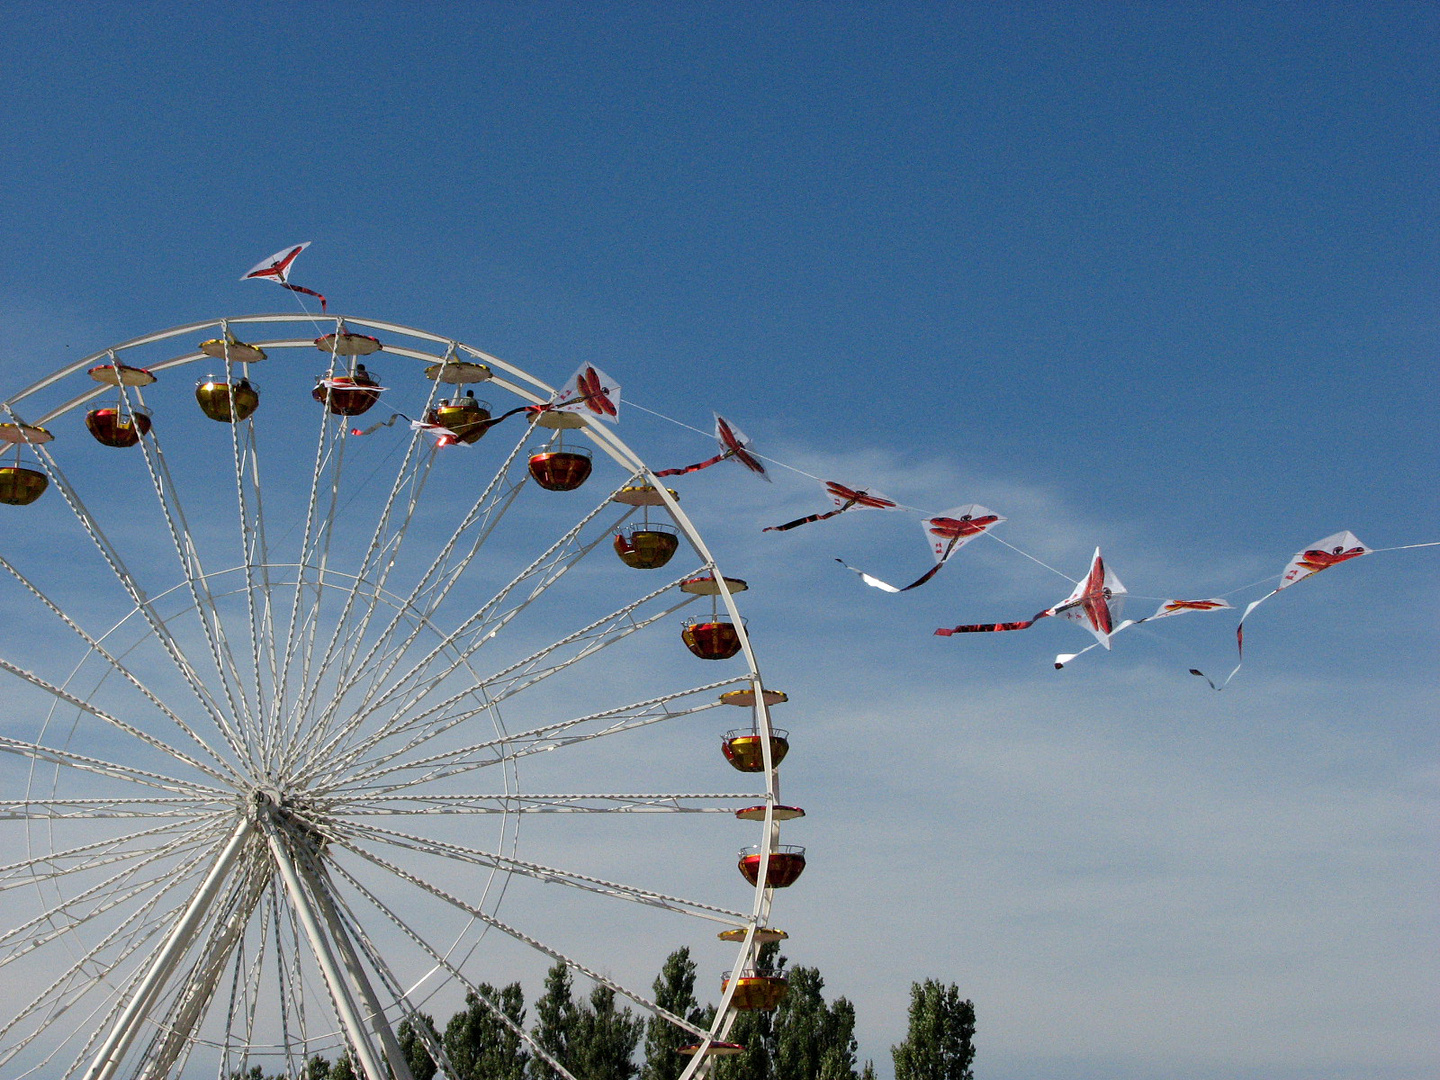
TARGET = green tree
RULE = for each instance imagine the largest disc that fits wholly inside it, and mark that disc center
(316, 1068)
(940, 1042)
(480, 1045)
(812, 1040)
(413, 1046)
(674, 990)
(603, 1044)
(556, 1018)
(342, 1069)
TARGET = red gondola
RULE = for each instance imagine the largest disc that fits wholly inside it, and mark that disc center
(560, 469)
(347, 395)
(711, 637)
(787, 863)
(118, 426)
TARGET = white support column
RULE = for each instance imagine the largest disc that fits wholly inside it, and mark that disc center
(190, 1006)
(340, 993)
(127, 1026)
(320, 886)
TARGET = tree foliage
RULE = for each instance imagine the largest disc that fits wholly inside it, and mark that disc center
(413, 1046)
(556, 1018)
(940, 1042)
(480, 1045)
(674, 989)
(604, 1040)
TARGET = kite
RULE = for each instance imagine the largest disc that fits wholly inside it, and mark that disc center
(733, 444)
(844, 498)
(1321, 555)
(946, 533)
(277, 269)
(1166, 609)
(594, 394)
(1093, 604)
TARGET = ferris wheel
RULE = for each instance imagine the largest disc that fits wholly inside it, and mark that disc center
(313, 726)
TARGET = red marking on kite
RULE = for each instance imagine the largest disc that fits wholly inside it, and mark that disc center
(1316, 560)
(959, 528)
(595, 396)
(1193, 605)
(858, 498)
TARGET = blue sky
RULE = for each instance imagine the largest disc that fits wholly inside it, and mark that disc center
(1159, 281)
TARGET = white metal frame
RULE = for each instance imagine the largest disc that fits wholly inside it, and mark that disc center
(255, 803)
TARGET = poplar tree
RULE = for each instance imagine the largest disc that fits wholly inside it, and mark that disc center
(674, 989)
(479, 1044)
(602, 1046)
(940, 1042)
(556, 1020)
(412, 1045)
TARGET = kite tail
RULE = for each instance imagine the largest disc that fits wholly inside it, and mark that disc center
(383, 423)
(806, 520)
(307, 292)
(876, 583)
(697, 466)
(988, 628)
(1239, 645)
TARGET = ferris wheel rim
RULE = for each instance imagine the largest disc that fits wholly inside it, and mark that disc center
(536, 392)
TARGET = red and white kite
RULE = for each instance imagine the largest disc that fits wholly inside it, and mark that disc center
(946, 533)
(1166, 609)
(1094, 604)
(1321, 555)
(733, 444)
(590, 392)
(844, 499)
(277, 269)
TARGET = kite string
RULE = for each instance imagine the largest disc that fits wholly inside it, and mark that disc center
(1406, 547)
(711, 435)
(1032, 558)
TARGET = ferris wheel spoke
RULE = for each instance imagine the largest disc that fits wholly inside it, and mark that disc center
(534, 943)
(129, 677)
(522, 674)
(90, 856)
(84, 763)
(551, 874)
(137, 596)
(437, 580)
(445, 963)
(165, 806)
(197, 583)
(536, 740)
(114, 891)
(106, 717)
(549, 566)
(384, 643)
(374, 570)
(480, 627)
(89, 974)
(478, 803)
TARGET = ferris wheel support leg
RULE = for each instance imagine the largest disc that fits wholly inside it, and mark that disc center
(172, 951)
(195, 997)
(331, 968)
(321, 886)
